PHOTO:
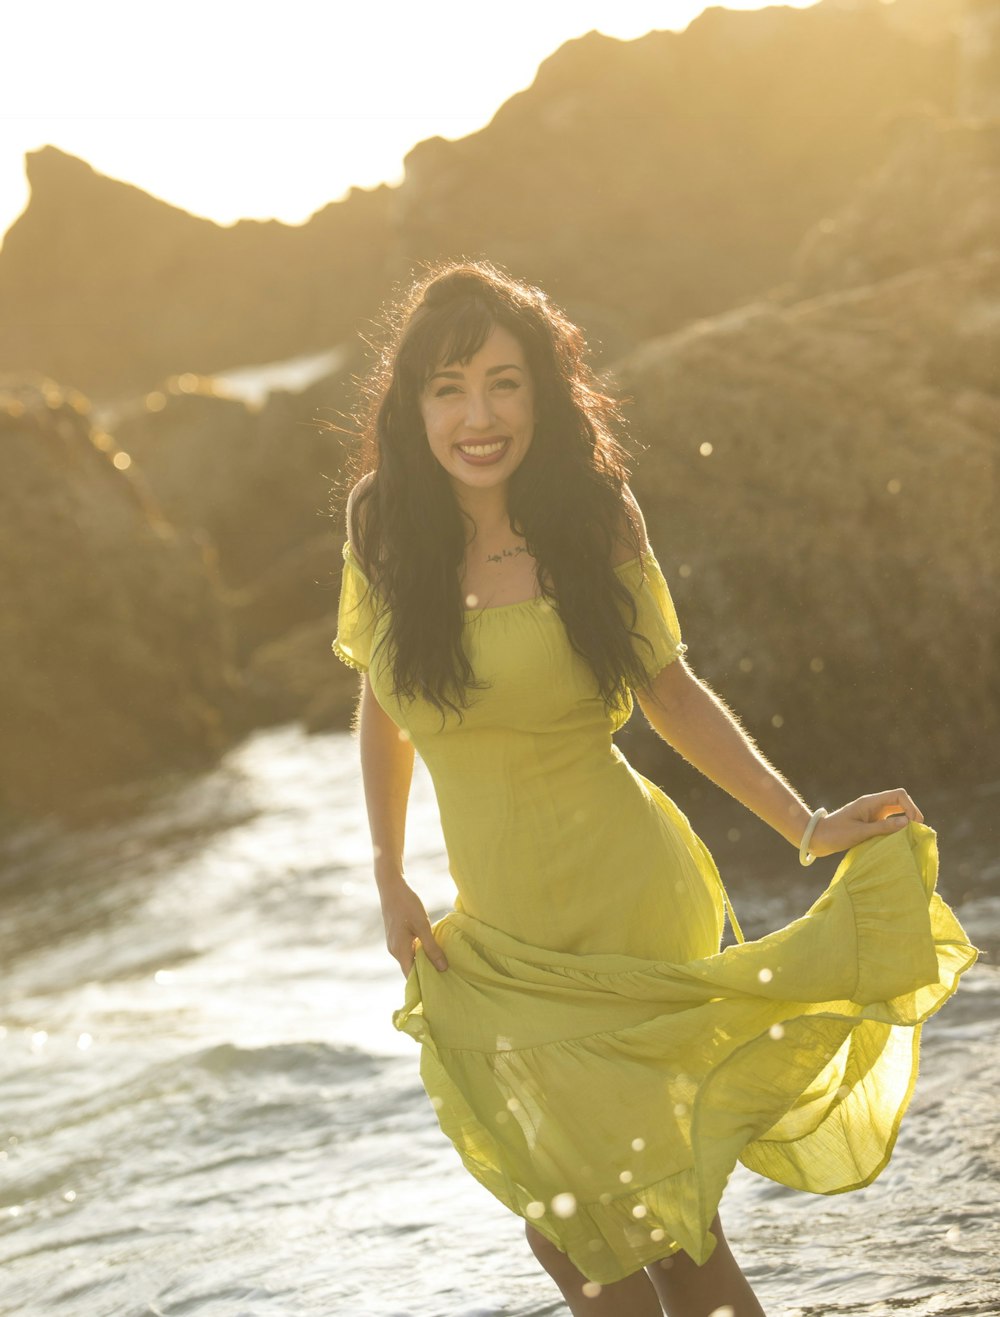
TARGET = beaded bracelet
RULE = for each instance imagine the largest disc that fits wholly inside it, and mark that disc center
(804, 856)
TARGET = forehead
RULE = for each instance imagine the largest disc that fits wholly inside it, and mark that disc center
(499, 347)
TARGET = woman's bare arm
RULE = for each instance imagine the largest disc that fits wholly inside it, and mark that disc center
(694, 720)
(691, 718)
(387, 772)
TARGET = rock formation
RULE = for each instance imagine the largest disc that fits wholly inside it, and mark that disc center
(927, 20)
(296, 677)
(300, 587)
(979, 78)
(821, 480)
(115, 658)
(644, 183)
(936, 196)
(668, 178)
(131, 289)
(257, 481)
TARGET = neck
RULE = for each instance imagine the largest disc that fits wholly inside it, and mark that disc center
(487, 509)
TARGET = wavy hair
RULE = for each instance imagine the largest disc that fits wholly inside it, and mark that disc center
(567, 498)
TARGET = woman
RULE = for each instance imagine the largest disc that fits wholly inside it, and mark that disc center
(599, 1064)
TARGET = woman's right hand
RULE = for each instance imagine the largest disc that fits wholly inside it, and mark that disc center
(406, 923)
(867, 816)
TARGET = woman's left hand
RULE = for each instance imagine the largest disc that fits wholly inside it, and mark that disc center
(868, 816)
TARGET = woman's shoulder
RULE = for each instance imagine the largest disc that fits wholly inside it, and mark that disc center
(356, 516)
(630, 538)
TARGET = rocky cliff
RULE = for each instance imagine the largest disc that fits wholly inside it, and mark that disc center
(123, 650)
(109, 289)
(115, 658)
(821, 476)
(653, 182)
(644, 183)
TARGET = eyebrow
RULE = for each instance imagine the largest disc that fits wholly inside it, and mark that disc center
(457, 374)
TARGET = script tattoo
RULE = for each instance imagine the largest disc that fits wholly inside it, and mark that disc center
(506, 553)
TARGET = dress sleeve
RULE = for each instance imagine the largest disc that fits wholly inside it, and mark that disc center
(656, 620)
(355, 616)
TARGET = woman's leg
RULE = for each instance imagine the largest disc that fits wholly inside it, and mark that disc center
(632, 1297)
(718, 1287)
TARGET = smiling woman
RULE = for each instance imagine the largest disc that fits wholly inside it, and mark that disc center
(482, 414)
(444, 521)
(598, 1062)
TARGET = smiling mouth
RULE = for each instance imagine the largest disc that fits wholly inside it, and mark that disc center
(482, 448)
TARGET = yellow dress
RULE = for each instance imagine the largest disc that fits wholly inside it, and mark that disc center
(599, 1064)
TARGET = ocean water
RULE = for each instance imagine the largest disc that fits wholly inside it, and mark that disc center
(206, 1109)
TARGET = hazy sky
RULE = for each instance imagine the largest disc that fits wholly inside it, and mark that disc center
(232, 109)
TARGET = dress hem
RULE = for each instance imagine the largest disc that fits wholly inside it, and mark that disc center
(882, 883)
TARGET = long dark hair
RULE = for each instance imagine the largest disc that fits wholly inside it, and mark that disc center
(566, 498)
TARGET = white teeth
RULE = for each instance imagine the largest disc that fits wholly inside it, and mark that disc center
(482, 450)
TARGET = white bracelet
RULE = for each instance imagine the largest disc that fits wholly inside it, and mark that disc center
(814, 818)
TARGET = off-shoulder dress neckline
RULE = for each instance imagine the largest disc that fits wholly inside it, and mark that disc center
(535, 600)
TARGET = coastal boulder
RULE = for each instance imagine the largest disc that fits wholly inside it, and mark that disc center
(935, 197)
(297, 676)
(257, 481)
(820, 480)
(115, 656)
(301, 586)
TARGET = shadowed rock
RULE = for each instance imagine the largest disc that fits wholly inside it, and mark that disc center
(979, 35)
(821, 482)
(134, 289)
(114, 652)
(929, 20)
(257, 482)
(821, 476)
(643, 183)
(296, 676)
(302, 586)
(936, 196)
(668, 178)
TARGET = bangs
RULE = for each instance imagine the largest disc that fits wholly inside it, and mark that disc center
(447, 334)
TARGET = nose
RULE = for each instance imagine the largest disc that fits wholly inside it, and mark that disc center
(478, 411)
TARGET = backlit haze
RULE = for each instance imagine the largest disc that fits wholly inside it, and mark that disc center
(234, 112)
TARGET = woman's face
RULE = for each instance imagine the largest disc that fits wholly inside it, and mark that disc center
(480, 417)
